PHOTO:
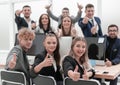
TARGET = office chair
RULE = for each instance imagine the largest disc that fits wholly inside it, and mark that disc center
(44, 80)
(68, 81)
(12, 78)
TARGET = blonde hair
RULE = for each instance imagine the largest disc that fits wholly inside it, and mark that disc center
(84, 57)
(25, 33)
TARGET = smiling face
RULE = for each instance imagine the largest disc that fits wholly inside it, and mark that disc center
(66, 22)
(79, 48)
(26, 37)
(26, 11)
(50, 44)
(44, 19)
(89, 12)
(113, 31)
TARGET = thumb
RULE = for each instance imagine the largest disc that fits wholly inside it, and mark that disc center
(14, 57)
(76, 69)
(107, 59)
(85, 71)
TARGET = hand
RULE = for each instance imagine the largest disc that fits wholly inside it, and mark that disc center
(85, 75)
(74, 32)
(94, 29)
(18, 12)
(48, 7)
(108, 62)
(85, 20)
(12, 62)
(75, 74)
(79, 6)
(48, 61)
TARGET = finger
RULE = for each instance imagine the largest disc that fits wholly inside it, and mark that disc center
(85, 71)
(50, 5)
(47, 56)
(107, 59)
(76, 69)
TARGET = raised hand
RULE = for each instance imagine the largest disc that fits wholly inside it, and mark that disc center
(18, 12)
(79, 6)
(48, 6)
(85, 20)
(48, 61)
(74, 75)
(85, 75)
(12, 62)
(94, 29)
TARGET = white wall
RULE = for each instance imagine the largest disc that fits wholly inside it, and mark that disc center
(110, 13)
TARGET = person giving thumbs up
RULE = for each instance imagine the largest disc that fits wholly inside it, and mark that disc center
(12, 62)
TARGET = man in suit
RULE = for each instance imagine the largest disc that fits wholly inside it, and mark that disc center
(90, 25)
(26, 20)
(112, 53)
(17, 58)
(65, 12)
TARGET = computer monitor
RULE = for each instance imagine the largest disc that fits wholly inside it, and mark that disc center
(96, 48)
(65, 45)
(37, 46)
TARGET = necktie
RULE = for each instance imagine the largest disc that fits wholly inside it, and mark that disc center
(92, 22)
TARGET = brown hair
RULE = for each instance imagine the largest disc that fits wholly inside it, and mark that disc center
(56, 52)
(84, 57)
(89, 6)
(25, 33)
(63, 31)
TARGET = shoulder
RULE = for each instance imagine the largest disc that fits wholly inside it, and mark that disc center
(69, 58)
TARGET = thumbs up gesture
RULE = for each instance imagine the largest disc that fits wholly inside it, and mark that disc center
(85, 75)
(12, 62)
(48, 61)
(74, 75)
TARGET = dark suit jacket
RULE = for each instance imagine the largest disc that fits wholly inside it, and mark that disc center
(47, 71)
(20, 21)
(86, 28)
(115, 52)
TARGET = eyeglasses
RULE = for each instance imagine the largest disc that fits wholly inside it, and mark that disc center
(112, 30)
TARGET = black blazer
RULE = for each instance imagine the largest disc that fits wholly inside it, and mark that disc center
(47, 71)
(20, 21)
(70, 63)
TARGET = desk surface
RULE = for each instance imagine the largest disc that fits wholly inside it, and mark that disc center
(113, 71)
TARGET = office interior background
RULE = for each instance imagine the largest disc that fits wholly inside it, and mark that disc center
(107, 10)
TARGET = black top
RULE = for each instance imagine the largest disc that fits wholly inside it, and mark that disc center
(47, 71)
(70, 63)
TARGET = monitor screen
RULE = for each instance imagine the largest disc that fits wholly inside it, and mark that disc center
(37, 46)
(96, 48)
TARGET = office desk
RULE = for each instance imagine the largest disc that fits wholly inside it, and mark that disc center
(113, 72)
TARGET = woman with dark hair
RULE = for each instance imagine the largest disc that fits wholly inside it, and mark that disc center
(76, 64)
(48, 62)
(44, 24)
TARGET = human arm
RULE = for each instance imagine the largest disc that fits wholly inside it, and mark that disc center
(78, 16)
(70, 69)
(40, 63)
(50, 13)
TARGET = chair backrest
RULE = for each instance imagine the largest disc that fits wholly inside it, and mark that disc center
(12, 78)
(68, 81)
(44, 80)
